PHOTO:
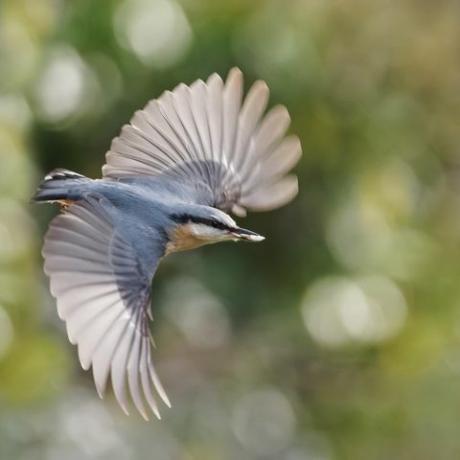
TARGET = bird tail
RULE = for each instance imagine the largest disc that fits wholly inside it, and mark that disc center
(61, 185)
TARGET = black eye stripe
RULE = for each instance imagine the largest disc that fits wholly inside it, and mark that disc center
(219, 225)
(184, 218)
(209, 222)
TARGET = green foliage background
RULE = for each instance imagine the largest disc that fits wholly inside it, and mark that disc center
(339, 336)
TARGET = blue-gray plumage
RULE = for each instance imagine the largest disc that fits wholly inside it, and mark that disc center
(172, 176)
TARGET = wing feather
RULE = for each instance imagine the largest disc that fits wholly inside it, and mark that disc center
(273, 195)
(215, 87)
(206, 134)
(103, 295)
(251, 112)
(133, 375)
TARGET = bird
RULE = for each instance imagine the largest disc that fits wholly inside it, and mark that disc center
(172, 177)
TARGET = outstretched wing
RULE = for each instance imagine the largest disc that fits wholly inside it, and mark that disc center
(206, 135)
(103, 295)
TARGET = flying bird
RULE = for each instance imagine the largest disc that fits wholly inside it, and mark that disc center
(172, 177)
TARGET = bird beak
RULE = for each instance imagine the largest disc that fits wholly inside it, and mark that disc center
(247, 235)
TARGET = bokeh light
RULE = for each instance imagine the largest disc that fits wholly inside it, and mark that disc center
(198, 314)
(62, 87)
(338, 311)
(156, 31)
(264, 422)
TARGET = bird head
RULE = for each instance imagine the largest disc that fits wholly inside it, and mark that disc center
(201, 225)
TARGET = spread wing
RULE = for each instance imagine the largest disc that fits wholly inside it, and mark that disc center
(103, 295)
(206, 135)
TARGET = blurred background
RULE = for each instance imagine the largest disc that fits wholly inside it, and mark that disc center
(339, 336)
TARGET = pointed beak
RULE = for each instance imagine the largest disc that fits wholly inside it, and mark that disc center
(247, 235)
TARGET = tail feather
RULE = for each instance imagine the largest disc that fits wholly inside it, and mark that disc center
(61, 185)
(62, 174)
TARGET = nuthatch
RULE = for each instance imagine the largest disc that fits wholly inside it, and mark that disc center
(170, 179)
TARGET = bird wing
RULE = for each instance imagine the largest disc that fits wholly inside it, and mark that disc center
(204, 134)
(103, 295)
